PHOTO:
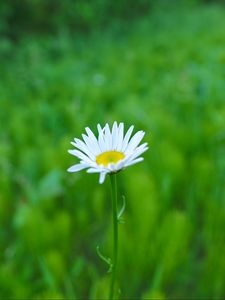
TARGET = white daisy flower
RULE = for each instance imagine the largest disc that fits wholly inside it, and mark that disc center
(111, 152)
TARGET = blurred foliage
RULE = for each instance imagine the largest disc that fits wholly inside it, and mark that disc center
(27, 16)
(22, 17)
(165, 74)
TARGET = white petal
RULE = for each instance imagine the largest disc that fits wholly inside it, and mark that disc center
(127, 137)
(108, 137)
(120, 137)
(93, 139)
(111, 167)
(101, 141)
(120, 165)
(135, 161)
(134, 142)
(83, 147)
(137, 152)
(78, 167)
(102, 177)
(74, 144)
(90, 164)
(80, 155)
(99, 128)
(94, 170)
(114, 135)
(90, 144)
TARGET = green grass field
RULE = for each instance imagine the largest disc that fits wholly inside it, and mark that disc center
(165, 74)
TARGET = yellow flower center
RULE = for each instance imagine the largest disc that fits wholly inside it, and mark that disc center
(108, 157)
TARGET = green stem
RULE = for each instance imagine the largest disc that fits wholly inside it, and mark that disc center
(115, 234)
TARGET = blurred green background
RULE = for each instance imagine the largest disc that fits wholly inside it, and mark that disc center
(159, 65)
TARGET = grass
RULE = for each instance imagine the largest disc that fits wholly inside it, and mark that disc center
(165, 75)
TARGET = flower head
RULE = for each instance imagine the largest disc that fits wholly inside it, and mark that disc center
(110, 152)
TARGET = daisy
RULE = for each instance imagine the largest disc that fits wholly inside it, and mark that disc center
(108, 153)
